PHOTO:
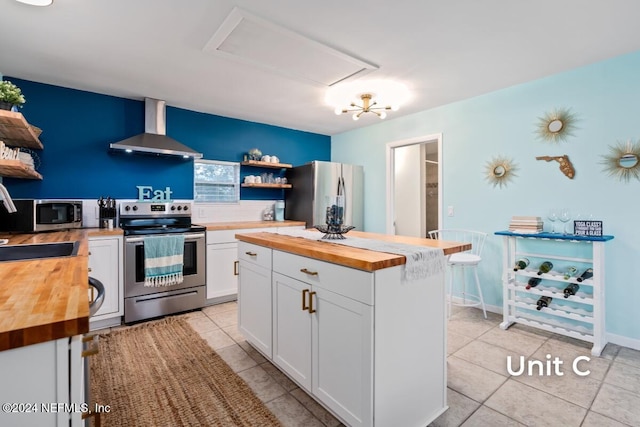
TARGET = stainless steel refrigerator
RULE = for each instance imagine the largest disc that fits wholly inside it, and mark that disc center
(314, 182)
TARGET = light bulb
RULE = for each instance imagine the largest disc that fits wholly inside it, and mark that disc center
(395, 107)
(338, 111)
(383, 114)
(355, 116)
(128, 150)
(36, 2)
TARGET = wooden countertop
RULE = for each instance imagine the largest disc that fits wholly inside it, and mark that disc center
(239, 225)
(361, 259)
(45, 299)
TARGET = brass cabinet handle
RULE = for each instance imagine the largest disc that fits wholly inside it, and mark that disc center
(95, 415)
(309, 272)
(304, 299)
(311, 309)
(251, 253)
(88, 338)
(90, 352)
(235, 268)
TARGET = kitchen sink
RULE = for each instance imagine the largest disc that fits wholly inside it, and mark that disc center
(37, 251)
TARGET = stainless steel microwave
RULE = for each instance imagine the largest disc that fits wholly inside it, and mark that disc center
(42, 215)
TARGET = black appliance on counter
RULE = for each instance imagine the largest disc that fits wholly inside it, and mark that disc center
(33, 215)
(140, 219)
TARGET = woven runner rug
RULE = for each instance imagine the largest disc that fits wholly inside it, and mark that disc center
(162, 373)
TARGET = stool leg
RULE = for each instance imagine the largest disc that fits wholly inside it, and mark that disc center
(475, 272)
(464, 285)
(450, 296)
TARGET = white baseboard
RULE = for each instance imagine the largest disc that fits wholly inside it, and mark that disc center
(623, 341)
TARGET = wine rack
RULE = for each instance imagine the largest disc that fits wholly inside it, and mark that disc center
(580, 316)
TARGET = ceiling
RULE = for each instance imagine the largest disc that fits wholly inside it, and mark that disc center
(443, 51)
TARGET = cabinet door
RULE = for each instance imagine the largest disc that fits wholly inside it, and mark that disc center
(222, 270)
(292, 328)
(342, 355)
(254, 305)
(105, 266)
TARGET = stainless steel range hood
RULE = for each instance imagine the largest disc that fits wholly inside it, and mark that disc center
(154, 139)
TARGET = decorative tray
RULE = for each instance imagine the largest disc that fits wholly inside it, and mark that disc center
(333, 232)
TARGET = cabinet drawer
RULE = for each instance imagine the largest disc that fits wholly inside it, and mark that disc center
(254, 254)
(345, 281)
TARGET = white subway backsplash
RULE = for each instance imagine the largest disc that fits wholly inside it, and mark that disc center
(245, 210)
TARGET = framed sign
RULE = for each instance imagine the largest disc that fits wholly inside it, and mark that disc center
(587, 228)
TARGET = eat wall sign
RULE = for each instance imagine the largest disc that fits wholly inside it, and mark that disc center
(146, 193)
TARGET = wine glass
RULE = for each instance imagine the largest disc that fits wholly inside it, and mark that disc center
(564, 216)
(552, 216)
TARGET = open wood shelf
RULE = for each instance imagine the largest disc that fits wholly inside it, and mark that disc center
(15, 131)
(17, 169)
(258, 163)
(263, 185)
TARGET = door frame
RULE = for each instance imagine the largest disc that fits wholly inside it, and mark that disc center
(390, 174)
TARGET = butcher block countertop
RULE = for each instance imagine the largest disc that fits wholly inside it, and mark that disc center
(45, 299)
(361, 259)
(239, 225)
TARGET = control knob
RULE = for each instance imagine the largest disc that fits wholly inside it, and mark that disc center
(186, 208)
(179, 208)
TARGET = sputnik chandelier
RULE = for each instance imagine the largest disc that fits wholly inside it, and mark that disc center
(366, 107)
(372, 96)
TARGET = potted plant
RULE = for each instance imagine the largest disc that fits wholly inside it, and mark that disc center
(10, 95)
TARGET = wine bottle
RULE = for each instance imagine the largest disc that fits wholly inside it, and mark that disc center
(571, 289)
(521, 264)
(543, 302)
(571, 271)
(533, 282)
(545, 267)
(588, 274)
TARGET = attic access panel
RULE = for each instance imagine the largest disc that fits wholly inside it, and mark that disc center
(261, 43)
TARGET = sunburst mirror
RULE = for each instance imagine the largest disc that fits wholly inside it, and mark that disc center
(499, 171)
(623, 161)
(556, 125)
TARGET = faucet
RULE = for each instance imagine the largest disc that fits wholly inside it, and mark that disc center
(8, 203)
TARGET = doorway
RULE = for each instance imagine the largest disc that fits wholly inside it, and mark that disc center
(414, 185)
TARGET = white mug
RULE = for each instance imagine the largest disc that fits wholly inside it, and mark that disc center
(274, 159)
(249, 179)
(258, 180)
(266, 159)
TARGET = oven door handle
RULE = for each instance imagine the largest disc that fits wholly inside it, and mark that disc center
(192, 236)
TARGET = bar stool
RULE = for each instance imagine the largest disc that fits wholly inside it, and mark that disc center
(461, 261)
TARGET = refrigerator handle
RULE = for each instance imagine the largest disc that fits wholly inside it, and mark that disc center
(342, 190)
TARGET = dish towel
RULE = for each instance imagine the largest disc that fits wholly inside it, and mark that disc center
(163, 260)
(421, 261)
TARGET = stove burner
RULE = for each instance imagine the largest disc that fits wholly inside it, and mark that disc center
(138, 218)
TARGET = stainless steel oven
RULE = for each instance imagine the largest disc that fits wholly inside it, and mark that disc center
(144, 302)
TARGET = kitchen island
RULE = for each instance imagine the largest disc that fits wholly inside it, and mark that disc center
(342, 322)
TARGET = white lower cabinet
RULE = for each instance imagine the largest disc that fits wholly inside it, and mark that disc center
(42, 384)
(323, 340)
(105, 264)
(222, 262)
(254, 314)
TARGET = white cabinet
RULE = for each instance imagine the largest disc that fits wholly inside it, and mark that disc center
(324, 341)
(254, 293)
(222, 262)
(580, 316)
(105, 264)
(42, 378)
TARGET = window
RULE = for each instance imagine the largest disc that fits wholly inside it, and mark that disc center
(216, 182)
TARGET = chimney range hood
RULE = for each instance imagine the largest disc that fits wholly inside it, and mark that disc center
(154, 139)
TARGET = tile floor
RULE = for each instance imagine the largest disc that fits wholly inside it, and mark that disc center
(481, 391)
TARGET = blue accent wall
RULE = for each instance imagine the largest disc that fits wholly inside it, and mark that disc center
(78, 127)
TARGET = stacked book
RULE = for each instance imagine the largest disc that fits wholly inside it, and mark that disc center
(526, 224)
